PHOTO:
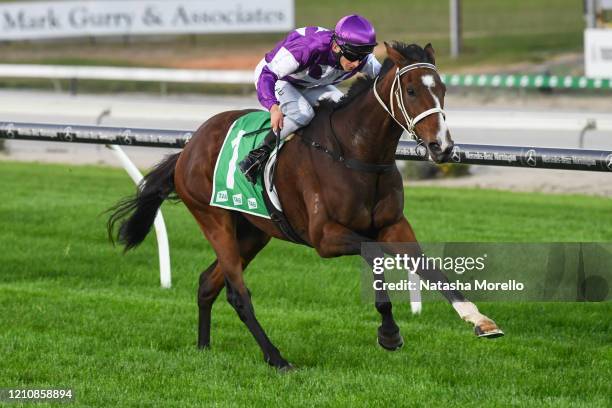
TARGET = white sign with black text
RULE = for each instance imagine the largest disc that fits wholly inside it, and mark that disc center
(598, 53)
(36, 20)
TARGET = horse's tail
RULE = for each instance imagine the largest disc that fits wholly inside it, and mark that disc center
(141, 209)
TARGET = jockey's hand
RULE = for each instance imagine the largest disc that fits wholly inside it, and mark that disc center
(276, 118)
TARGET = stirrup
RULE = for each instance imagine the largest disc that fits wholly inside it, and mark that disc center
(251, 165)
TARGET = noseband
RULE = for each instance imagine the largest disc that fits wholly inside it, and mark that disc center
(396, 91)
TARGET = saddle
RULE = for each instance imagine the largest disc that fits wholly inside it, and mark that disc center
(231, 189)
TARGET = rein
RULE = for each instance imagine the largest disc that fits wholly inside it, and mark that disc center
(352, 164)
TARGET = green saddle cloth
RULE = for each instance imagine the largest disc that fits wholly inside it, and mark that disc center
(231, 189)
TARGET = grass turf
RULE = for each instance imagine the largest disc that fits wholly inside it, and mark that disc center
(76, 313)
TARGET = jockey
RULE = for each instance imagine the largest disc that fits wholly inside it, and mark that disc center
(302, 70)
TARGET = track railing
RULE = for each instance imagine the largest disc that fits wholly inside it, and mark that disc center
(490, 155)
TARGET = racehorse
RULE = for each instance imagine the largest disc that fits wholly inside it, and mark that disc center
(339, 188)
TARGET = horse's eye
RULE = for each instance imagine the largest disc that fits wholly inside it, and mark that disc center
(410, 92)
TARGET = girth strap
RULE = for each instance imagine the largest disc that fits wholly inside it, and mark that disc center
(281, 221)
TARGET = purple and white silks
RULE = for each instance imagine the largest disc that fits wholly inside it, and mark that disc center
(305, 60)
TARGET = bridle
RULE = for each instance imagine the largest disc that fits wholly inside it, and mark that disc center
(396, 91)
(354, 164)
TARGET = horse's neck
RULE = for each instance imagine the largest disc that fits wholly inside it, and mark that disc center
(366, 131)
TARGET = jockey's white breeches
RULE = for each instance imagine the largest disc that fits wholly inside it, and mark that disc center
(297, 103)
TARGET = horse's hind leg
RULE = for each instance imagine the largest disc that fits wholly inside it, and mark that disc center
(211, 283)
(250, 241)
(240, 298)
(221, 227)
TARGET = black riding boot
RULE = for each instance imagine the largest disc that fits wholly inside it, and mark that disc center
(252, 164)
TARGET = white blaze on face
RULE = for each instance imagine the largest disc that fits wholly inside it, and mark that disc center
(442, 136)
(428, 81)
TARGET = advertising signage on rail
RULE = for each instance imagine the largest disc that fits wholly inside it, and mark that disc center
(57, 19)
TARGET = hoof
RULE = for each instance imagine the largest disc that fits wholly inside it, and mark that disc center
(282, 365)
(204, 346)
(286, 369)
(488, 329)
(390, 342)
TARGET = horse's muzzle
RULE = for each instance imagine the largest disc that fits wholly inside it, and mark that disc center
(437, 154)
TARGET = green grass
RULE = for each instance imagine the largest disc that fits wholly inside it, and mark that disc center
(75, 312)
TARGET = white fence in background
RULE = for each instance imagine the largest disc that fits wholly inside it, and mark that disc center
(163, 247)
(126, 74)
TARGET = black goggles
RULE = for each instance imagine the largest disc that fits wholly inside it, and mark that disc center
(355, 52)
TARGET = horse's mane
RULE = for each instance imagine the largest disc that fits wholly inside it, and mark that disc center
(412, 52)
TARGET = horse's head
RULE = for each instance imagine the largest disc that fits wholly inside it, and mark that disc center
(416, 98)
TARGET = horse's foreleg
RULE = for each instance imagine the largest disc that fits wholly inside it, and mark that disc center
(339, 240)
(401, 232)
(389, 336)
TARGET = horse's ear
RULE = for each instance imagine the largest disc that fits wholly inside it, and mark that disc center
(431, 54)
(395, 56)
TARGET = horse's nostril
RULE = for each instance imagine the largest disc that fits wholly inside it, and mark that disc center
(435, 147)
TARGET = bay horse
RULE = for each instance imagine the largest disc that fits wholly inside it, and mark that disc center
(338, 189)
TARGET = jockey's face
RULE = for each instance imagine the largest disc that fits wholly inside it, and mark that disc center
(348, 65)
(344, 62)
